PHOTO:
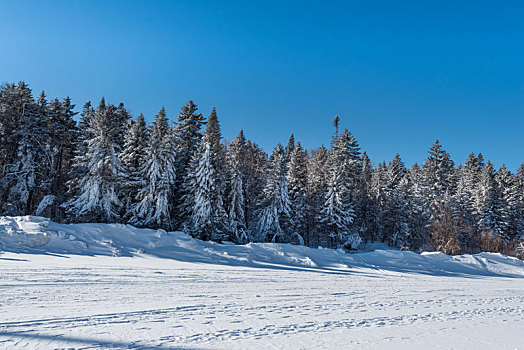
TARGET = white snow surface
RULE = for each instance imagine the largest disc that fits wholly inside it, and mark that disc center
(100, 286)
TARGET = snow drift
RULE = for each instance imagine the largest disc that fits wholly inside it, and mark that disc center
(37, 235)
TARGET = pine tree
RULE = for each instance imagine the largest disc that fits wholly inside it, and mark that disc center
(508, 198)
(290, 147)
(132, 157)
(255, 162)
(62, 143)
(119, 125)
(208, 220)
(25, 176)
(188, 135)
(367, 220)
(297, 184)
(378, 193)
(14, 99)
(439, 173)
(396, 209)
(274, 208)
(467, 195)
(236, 200)
(157, 175)
(492, 212)
(316, 192)
(206, 186)
(97, 191)
(338, 214)
(518, 208)
(439, 176)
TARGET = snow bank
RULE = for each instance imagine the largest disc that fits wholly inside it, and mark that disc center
(37, 235)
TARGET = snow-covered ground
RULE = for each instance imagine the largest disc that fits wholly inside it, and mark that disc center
(61, 286)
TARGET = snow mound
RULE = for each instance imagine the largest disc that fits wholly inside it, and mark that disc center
(37, 235)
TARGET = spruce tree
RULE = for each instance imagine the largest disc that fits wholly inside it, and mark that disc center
(396, 207)
(274, 208)
(290, 147)
(63, 140)
(26, 175)
(367, 207)
(156, 175)
(493, 212)
(316, 192)
(96, 196)
(518, 209)
(188, 136)
(236, 200)
(255, 162)
(297, 184)
(206, 187)
(338, 213)
(132, 157)
(14, 99)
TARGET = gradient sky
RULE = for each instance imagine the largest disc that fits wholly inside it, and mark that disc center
(399, 74)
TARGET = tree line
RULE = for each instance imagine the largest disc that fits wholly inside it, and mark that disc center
(111, 168)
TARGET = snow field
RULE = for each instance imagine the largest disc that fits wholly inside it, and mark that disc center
(166, 290)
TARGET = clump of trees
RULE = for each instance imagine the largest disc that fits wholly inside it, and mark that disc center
(109, 167)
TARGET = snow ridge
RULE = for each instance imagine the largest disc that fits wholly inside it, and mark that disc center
(37, 235)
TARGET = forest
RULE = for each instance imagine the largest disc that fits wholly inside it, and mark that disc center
(105, 166)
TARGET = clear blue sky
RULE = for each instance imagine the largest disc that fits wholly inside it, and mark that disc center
(399, 74)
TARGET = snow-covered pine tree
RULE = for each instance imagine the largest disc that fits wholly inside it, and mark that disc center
(188, 136)
(467, 193)
(236, 201)
(26, 175)
(297, 184)
(132, 157)
(119, 124)
(156, 176)
(518, 210)
(206, 187)
(316, 192)
(208, 220)
(290, 147)
(338, 212)
(86, 115)
(418, 208)
(378, 194)
(439, 172)
(508, 198)
(97, 191)
(366, 221)
(396, 209)
(13, 101)
(492, 223)
(254, 164)
(274, 208)
(62, 143)
(439, 176)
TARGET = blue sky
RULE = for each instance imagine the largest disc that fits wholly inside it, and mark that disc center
(399, 74)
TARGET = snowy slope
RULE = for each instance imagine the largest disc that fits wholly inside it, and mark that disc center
(31, 234)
